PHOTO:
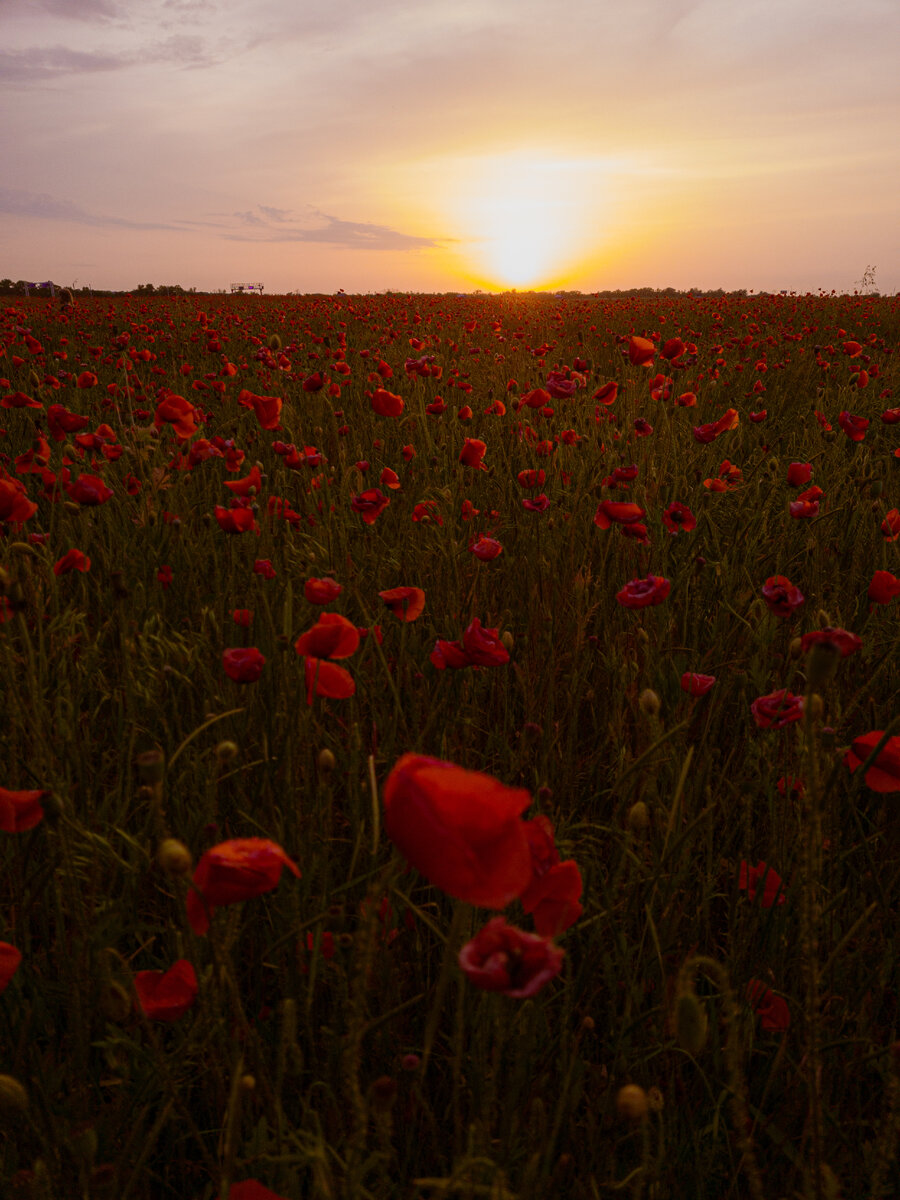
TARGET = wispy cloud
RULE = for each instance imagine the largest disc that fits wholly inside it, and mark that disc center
(18, 203)
(277, 225)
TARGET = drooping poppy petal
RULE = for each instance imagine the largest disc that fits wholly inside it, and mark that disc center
(167, 995)
(502, 958)
(233, 871)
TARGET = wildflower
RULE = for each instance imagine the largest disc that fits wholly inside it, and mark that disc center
(781, 597)
(406, 603)
(751, 878)
(324, 678)
(502, 958)
(679, 517)
(10, 958)
(485, 548)
(243, 665)
(332, 636)
(775, 1016)
(777, 709)
(321, 591)
(472, 453)
(20, 810)
(233, 871)
(695, 684)
(622, 512)
(74, 560)
(166, 995)
(883, 587)
(884, 773)
(370, 504)
(642, 593)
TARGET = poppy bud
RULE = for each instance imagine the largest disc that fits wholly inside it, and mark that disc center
(507, 639)
(248, 1083)
(226, 752)
(325, 761)
(816, 705)
(649, 703)
(632, 1103)
(115, 1003)
(638, 817)
(795, 649)
(174, 857)
(274, 342)
(13, 1097)
(691, 1024)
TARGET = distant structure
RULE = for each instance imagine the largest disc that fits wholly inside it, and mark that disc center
(248, 287)
(47, 286)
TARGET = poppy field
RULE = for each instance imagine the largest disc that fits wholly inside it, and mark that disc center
(450, 747)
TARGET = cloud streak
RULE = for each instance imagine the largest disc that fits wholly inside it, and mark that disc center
(275, 225)
(15, 202)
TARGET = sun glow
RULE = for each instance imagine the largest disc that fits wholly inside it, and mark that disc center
(522, 218)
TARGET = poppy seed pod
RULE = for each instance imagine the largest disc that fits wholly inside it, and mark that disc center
(632, 1103)
(174, 857)
(649, 703)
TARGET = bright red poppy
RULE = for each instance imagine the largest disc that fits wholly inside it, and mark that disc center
(243, 664)
(483, 646)
(502, 958)
(854, 427)
(619, 512)
(884, 587)
(553, 896)
(406, 603)
(485, 548)
(332, 636)
(461, 829)
(321, 591)
(890, 526)
(708, 433)
(449, 654)
(472, 453)
(89, 490)
(263, 567)
(762, 879)
(642, 593)
(370, 504)
(20, 810)
(799, 474)
(641, 351)
(179, 413)
(250, 485)
(386, 404)
(235, 520)
(607, 393)
(781, 597)
(167, 995)
(266, 408)
(74, 560)
(777, 709)
(841, 640)
(233, 871)
(884, 773)
(61, 422)
(15, 506)
(325, 678)
(10, 958)
(678, 517)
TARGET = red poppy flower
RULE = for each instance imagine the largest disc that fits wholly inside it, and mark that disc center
(854, 427)
(332, 636)
(313, 383)
(321, 591)
(641, 351)
(449, 654)
(485, 548)
(460, 829)
(536, 398)
(386, 404)
(164, 576)
(890, 526)
(884, 587)
(773, 1010)
(166, 995)
(679, 517)
(672, 348)
(777, 709)
(250, 485)
(87, 379)
(179, 413)
(406, 603)
(472, 453)
(686, 400)
(799, 474)
(251, 1189)
(20, 810)
(884, 773)
(262, 566)
(750, 879)
(235, 520)
(791, 785)
(233, 871)
(552, 897)
(695, 684)
(10, 958)
(757, 417)
(266, 408)
(370, 504)
(501, 958)
(243, 664)
(61, 422)
(15, 506)
(709, 433)
(642, 593)
(532, 478)
(802, 510)
(89, 490)
(324, 678)
(427, 511)
(606, 394)
(622, 512)
(537, 503)
(19, 400)
(483, 647)
(242, 616)
(780, 595)
(74, 560)
(839, 639)
(642, 428)
(389, 478)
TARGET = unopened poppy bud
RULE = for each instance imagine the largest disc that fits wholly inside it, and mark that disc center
(816, 705)
(174, 857)
(274, 342)
(13, 1097)
(649, 703)
(151, 766)
(691, 1024)
(507, 639)
(795, 649)
(325, 760)
(227, 751)
(248, 1083)
(632, 1103)
(115, 1003)
(638, 817)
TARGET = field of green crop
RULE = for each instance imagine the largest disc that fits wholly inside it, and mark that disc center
(450, 748)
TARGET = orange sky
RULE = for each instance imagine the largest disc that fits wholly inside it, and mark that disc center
(430, 146)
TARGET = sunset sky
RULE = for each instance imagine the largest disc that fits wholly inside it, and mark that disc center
(433, 146)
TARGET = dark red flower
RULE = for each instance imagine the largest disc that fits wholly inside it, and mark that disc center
(406, 603)
(890, 526)
(61, 422)
(642, 593)
(74, 560)
(460, 829)
(781, 597)
(679, 517)
(532, 478)
(472, 453)
(641, 351)
(536, 504)
(502, 958)
(839, 639)
(606, 394)
(251, 1189)
(695, 684)
(166, 995)
(324, 678)
(804, 509)
(242, 616)
(267, 408)
(386, 404)
(485, 548)
(370, 504)
(777, 709)
(243, 664)
(233, 871)
(10, 958)
(321, 591)
(449, 654)
(620, 512)
(483, 647)
(709, 433)
(553, 896)
(15, 506)
(773, 1010)
(164, 576)
(20, 810)
(854, 427)
(884, 587)
(263, 567)
(750, 879)
(884, 773)
(799, 474)
(235, 520)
